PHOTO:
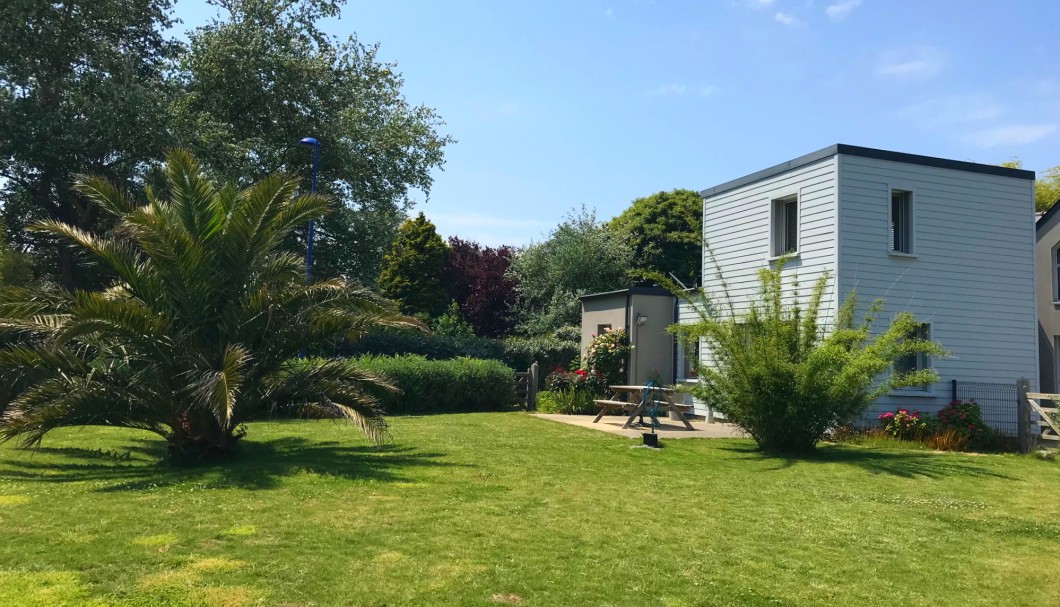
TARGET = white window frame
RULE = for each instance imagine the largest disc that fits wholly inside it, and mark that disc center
(682, 368)
(902, 187)
(923, 361)
(777, 205)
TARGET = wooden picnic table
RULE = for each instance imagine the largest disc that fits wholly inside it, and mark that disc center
(629, 398)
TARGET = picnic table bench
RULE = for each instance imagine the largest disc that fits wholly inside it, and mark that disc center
(631, 399)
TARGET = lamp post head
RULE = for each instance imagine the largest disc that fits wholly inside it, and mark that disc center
(309, 141)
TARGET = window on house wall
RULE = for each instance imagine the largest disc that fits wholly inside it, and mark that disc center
(688, 355)
(785, 226)
(1056, 273)
(901, 221)
(601, 329)
(915, 362)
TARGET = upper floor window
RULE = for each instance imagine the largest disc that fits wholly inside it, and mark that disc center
(901, 221)
(785, 226)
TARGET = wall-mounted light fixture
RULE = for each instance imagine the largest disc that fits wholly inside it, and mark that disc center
(641, 320)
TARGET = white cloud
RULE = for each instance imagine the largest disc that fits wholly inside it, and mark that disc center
(912, 62)
(787, 19)
(840, 10)
(1013, 134)
(673, 89)
(951, 110)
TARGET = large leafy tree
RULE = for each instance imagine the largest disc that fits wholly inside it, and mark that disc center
(666, 233)
(582, 255)
(202, 327)
(82, 90)
(413, 267)
(477, 279)
(265, 76)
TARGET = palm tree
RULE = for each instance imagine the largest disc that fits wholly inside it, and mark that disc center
(202, 329)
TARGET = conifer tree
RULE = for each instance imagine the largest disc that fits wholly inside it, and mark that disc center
(413, 267)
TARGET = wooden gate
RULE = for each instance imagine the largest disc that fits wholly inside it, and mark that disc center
(526, 387)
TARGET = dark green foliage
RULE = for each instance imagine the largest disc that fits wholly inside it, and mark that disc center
(429, 345)
(264, 76)
(666, 233)
(548, 352)
(412, 269)
(83, 89)
(443, 386)
(781, 377)
(200, 331)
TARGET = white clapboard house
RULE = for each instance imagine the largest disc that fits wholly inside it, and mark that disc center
(950, 241)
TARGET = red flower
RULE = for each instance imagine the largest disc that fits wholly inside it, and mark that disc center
(581, 372)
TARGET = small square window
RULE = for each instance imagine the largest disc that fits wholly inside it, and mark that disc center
(901, 221)
(785, 226)
(601, 329)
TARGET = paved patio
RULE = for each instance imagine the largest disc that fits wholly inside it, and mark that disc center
(669, 428)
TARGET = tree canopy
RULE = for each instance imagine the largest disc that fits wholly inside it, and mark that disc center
(477, 279)
(582, 255)
(1046, 186)
(99, 88)
(412, 269)
(83, 89)
(257, 81)
(666, 233)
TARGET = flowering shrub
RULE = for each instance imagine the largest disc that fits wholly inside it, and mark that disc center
(591, 382)
(964, 417)
(607, 354)
(903, 423)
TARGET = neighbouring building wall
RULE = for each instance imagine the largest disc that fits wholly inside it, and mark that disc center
(971, 276)
(602, 310)
(1045, 268)
(653, 345)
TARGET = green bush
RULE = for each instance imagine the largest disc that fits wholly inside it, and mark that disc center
(569, 401)
(431, 346)
(548, 352)
(607, 354)
(784, 380)
(443, 386)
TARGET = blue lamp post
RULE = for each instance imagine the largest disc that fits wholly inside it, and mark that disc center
(309, 234)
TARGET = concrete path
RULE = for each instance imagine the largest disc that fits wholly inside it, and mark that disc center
(670, 429)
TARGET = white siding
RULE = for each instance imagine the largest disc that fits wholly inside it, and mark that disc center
(736, 227)
(973, 275)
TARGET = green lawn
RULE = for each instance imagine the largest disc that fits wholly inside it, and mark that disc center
(490, 509)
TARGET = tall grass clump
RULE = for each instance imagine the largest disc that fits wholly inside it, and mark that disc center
(781, 375)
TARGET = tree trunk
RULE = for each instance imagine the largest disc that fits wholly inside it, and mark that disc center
(196, 440)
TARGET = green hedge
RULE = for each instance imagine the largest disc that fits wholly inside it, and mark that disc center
(444, 386)
(549, 352)
(391, 342)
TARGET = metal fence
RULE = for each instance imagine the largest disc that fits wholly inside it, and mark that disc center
(999, 403)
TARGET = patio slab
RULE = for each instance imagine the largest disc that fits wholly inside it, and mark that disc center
(612, 424)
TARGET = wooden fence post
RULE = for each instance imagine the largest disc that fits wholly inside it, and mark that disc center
(1023, 413)
(531, 388)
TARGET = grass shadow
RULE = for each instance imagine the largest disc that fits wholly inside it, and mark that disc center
(259, 464)
(906, 464)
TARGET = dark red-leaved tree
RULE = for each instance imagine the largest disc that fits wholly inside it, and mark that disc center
(475, 277)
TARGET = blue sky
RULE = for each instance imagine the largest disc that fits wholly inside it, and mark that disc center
(562, 104)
